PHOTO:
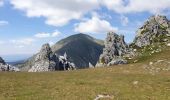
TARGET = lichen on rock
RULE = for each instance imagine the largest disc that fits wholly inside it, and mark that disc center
(114, 51)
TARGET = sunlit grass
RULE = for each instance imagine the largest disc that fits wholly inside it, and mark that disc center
(86, 84)
(122, 82)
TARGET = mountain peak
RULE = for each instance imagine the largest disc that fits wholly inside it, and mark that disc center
(80, 36)
(81, 48)
(45, 48)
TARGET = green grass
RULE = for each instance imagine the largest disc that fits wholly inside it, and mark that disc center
(86, 84)
(146, 55)
(116, 81)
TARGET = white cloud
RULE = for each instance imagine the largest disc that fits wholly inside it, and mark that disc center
(47, 35)
(56, 33)
(3, 22)
(132, 6)
(1, 2)
(56, 12)
(61, 12)
(124, 20)
(51, 43)
(42, 35)
(94, 25)
(22, 42)
(11, 47)
(2, 42)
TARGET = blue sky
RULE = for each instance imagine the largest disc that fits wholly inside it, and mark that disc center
(27, 24)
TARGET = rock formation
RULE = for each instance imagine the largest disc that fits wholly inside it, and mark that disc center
(2, 61)
(153, 30)
(91, 66)
(7, 67)
(115, 49)
(80, 48)
(46, 60)
(64, 64)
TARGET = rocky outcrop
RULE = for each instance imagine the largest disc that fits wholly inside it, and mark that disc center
(7, 67)
(114, 51)
(46, 60)
(64, 63)
(153, 30)
(2, 61)
(91, 66)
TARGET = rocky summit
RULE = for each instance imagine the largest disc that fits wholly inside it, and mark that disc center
(114, 51)
(155, 29)
(6, 67)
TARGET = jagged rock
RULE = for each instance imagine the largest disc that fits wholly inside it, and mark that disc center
(64, 64)
(115, 49)
(2, 61)
(45, 60)
(154, 30)
(80, 48)
(117, 62)
(7, 67)
(90, 65)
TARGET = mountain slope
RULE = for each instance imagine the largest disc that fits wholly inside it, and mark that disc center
(81, 49)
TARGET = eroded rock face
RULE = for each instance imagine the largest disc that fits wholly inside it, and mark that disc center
(7, 67)
(115, 49)
(91, 66)
(154, 30)
(46, 60)
(2, 61)
(64, 64)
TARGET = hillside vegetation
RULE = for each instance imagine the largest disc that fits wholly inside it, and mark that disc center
(146, 80)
